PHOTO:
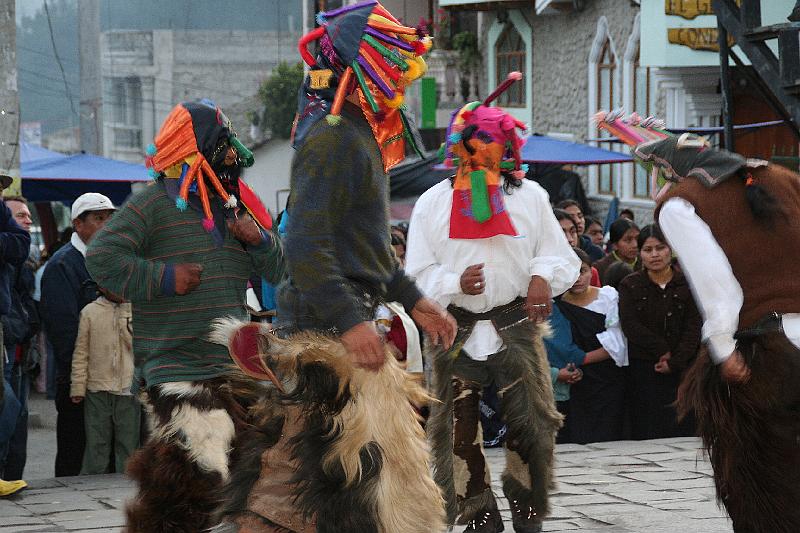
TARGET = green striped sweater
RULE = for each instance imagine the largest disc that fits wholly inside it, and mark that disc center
(132, 256)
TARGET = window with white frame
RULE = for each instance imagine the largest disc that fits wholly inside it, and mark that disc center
(126, 101)
(510, 56)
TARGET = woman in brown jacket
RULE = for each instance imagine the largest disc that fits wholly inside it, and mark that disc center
(661, 322)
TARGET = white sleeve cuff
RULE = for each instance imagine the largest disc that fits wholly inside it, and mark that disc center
(721, 347)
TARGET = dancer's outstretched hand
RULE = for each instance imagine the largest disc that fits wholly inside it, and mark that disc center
(435, 321)
(734, 369)
(365, 346)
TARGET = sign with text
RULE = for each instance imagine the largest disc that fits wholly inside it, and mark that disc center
(682, 33)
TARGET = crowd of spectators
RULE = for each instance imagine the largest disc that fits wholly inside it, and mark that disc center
(622, 336)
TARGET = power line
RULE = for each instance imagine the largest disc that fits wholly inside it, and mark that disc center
(58, 59)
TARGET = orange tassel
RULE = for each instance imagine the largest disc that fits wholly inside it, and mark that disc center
(341, 92)
(220, 190)
(203, 193)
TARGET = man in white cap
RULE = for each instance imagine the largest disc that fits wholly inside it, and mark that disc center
(66, 288)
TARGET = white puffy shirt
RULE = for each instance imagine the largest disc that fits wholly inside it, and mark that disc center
(716, 290)
(437, 261)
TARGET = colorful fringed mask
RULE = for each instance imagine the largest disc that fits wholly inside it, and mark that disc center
(363, 48)
(193, 146)
(482, 141)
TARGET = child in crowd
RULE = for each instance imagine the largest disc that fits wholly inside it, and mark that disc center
(102, 374)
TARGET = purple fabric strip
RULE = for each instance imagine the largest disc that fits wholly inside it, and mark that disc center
(376, 78)
(391, 40)
(346, 9)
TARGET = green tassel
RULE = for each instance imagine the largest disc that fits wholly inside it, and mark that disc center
(245, 154)
(364, 88)
(481, 209)
(390, 55)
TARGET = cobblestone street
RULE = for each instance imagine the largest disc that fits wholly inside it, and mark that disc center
(652, 486)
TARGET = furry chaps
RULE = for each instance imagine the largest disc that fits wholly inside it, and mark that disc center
(362, 460)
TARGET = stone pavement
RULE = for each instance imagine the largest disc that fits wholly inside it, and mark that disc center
(615, 487)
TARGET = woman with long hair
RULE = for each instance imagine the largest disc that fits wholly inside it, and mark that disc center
(662, 325)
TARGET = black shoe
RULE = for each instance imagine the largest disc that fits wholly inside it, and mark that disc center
(486, 522)
(525, 518)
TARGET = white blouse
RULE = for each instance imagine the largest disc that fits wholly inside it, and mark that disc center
(612, 339)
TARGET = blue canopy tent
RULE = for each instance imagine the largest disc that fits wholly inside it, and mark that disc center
(51, 177)
(543, 149)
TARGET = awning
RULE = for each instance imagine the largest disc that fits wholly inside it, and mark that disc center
(51, 177)
(543, 149)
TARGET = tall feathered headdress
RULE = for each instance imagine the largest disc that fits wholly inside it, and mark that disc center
(482, 141)
(193, 139)
(363, 49)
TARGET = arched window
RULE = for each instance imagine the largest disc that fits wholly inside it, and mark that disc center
(510, 56)
(605, 69)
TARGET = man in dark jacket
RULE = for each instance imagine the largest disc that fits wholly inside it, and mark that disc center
(15, 245)
(19, 325)
(66, 289)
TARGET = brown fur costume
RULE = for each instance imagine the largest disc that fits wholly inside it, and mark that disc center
(529, 411)
(184, 465)
(361, 456)
(751, 432)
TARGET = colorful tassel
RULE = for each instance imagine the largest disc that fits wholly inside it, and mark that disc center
(396, 102)
(208, 224)
(181, 204)
(481, 209)
(388, 27)
(151, 150)
(390, 55)
(508, 82)
(232, 203)
(379, 62)
(369, 30)
(346, 9)
(376, 78)
(153, 173)
(334, 117)
(364, 87)
(454, 138)
(302, 45)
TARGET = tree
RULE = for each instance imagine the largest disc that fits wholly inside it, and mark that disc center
(279, 96)
(469, 60)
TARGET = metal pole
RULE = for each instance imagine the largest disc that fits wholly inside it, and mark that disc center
(725, 83)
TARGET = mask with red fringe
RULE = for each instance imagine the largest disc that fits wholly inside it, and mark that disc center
(482, 142)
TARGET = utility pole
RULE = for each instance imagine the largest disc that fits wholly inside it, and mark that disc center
(91, 108)
(9, 95)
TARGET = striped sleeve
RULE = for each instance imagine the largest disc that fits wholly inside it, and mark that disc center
(114, 258)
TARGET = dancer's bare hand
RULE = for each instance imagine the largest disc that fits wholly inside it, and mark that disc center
(538, 302)
(472, 280)
(734, 369)
(435, 321)
(662, 366)
(245, 229)
(187, 277)
(365, 346)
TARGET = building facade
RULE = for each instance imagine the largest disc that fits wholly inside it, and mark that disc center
(654, 57)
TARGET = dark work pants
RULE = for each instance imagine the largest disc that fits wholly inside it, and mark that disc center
(13, 454)
(70, 433)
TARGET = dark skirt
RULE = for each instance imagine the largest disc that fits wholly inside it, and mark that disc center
(650, 399)
(597, 404)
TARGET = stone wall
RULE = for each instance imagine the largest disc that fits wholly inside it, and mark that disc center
(561, 46)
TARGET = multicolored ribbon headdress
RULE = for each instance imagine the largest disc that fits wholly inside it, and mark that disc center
(671, 158)
(192, 143)
(482, 141)
(363, 48)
